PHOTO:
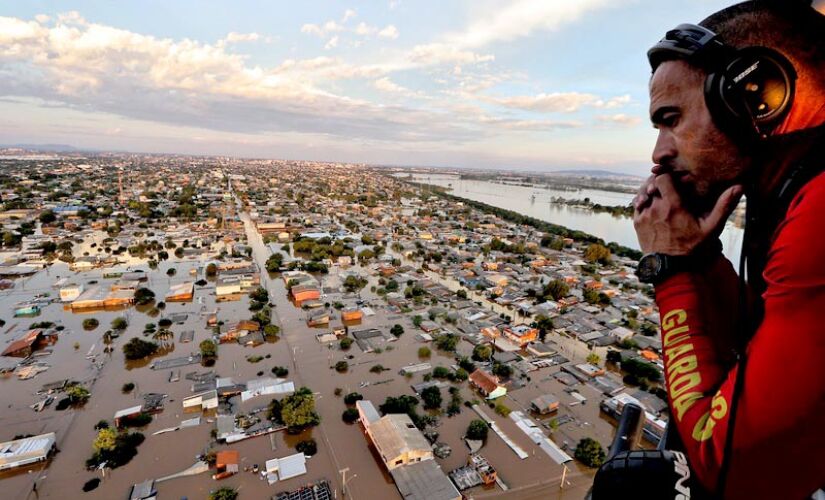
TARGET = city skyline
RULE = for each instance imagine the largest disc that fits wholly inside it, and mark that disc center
(521, 86)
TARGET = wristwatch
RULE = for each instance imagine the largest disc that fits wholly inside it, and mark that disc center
(655, 267)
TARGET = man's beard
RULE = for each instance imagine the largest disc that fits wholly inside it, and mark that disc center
(698, 201)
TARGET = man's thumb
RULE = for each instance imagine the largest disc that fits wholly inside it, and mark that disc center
(721, 210)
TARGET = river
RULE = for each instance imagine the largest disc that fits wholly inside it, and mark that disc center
(537, 202)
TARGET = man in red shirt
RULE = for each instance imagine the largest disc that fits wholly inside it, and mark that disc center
(734, 119)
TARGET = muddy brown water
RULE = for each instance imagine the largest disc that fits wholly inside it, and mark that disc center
(340, 445)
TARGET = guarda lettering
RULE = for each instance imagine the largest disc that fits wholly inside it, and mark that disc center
(682, 365)
(703, 429)
(680, 467)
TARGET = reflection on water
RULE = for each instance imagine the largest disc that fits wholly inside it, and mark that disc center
(537, 202)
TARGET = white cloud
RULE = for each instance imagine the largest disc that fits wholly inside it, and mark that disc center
(389, 31)
(312, 29)
(394, 4)
(233, 37)
(331, 43)
(386, 85)
(522, 18)
(348, 14)
(441, 53)
(619, 119)
(364, 29)
(557, 102)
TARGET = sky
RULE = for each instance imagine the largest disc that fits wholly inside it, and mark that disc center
(526, 84)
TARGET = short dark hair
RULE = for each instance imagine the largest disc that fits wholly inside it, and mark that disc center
(791, 27)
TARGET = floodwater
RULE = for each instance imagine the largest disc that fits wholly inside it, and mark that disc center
(537, 202)
(340, 445)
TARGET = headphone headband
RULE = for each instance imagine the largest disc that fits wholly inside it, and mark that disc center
(690, 42)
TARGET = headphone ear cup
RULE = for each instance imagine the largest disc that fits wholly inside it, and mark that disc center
(752, 92)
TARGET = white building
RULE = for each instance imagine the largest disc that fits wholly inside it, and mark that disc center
(70, 291)
(204, 400)
(26, 451)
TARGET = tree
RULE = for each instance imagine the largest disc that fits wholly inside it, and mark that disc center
(341, 366)
(401, 404)
(417, 319)
(308, 447)
(354, 283)
(47, 217)
(424, 352)
(441, 372)
(447, 342)
(350, 415)
(119, 323)
(614, 357)
(208, 349)
(105, 440)
(591, 296)
(556, 290)
(90, 323)
(431, 397)
(502, 370)
(138, 348)
(597, 253)
(271, 331)
(352, 398)
(78, 394)
(274, 262)
(397, 330)
(590, 452)
(224, 493)
(211, 269)
(298, 411)
(593, 359)
(346, 343)
(482, 352)
(259, 294)
(144, 296)
(264, 316)
(502, 409)
(461, 293)
(477, 430)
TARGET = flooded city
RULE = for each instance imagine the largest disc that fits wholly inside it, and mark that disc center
(240, 324)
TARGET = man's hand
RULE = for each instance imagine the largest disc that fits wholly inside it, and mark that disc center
(663, 225)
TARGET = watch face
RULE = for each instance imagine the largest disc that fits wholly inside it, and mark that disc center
(649, 267)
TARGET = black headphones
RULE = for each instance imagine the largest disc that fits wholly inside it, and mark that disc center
(748, 91)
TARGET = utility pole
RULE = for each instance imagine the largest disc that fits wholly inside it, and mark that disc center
(344, 480)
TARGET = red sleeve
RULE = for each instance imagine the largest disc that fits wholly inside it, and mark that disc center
(780, 431)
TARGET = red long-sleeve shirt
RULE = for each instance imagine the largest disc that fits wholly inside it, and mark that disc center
(780, 424)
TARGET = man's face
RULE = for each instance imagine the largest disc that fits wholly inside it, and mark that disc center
(702, 160)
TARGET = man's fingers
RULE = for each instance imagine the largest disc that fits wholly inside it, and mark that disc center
(664, 183)
(642, 198)
(721, 210)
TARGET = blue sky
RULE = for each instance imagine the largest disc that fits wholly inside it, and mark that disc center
(538, 84)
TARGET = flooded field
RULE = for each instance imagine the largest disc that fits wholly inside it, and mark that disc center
(78, 355)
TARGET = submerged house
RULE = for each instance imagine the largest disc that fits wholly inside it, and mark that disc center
(181, 292)
(21, 452)
(487, 384)
(26, 344)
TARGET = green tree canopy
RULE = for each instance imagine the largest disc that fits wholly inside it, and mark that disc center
(590, 452)
(477, 430)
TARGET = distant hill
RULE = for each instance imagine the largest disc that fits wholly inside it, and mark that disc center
(51, 148)
(593, 173)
